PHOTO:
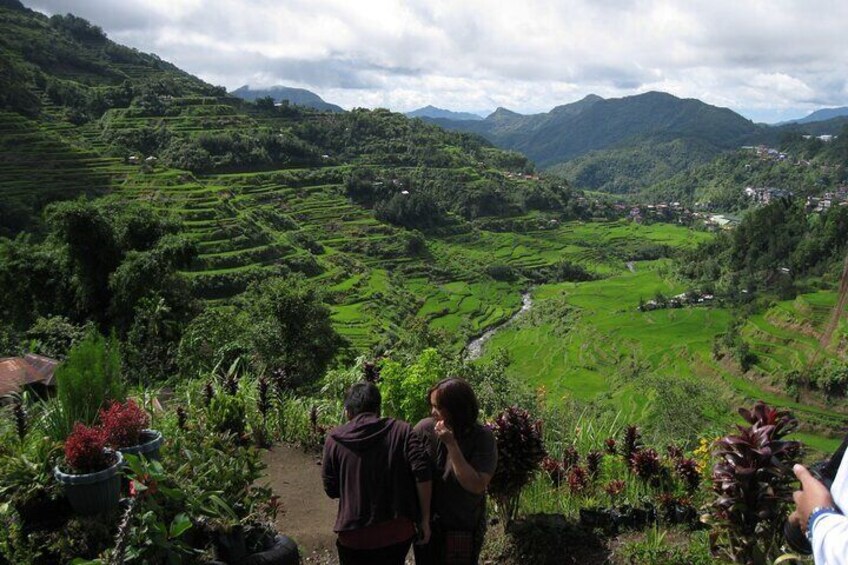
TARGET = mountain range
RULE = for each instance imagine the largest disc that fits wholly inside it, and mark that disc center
(440, 113)
(279, 93)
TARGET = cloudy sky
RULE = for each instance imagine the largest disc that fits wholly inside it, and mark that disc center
(768, 60)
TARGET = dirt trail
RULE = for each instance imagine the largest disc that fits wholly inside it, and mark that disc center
(295, 476)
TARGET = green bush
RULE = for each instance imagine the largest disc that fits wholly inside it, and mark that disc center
(86, 382)
(404, 386)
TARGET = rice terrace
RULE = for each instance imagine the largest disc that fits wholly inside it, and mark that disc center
(191, 279)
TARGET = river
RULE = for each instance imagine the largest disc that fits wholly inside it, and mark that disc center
(474, 349)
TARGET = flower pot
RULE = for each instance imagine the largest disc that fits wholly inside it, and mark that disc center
(93, 493)
(595, 517)
(151, 440)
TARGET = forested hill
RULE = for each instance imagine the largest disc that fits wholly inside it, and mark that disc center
(593, 123)
(287, 94)
(80, 113)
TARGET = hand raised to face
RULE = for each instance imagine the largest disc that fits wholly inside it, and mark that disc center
(444, 433)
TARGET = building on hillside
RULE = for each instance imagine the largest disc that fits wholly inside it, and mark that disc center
(33, 372)
(765, 195)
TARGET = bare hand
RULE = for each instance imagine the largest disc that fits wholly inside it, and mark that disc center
(812, 494)
(444, 433)
(423, 533)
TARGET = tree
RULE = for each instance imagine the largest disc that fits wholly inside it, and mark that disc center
(290, 328)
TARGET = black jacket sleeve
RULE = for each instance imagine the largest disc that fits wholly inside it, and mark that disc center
(418, 457)
(329, 471)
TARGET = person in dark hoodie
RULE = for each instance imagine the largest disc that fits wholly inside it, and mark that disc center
(380, 471)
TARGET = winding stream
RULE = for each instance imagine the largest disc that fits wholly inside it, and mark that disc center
(474, 349)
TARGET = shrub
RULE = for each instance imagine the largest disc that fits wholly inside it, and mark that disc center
(88, 379)
(404, 387)
(753, 483)
(85, 449)
(520, 450)
(123, 423)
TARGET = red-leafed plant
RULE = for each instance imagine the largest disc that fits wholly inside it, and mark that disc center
(614, 488)
(554, 469)
(593, 462)
(631, 442)
(570, 457)
(578, 479)
(687, 470)
(609, 445)
(520, 450)
(123, 423)
(753, 483)
(645, 463)
(85, 450)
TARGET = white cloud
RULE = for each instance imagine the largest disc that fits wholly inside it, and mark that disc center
(754, 56)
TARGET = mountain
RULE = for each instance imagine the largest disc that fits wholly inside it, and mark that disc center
(821, 115)
(299, 96)
(433, 112)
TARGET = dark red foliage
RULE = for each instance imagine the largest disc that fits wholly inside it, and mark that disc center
(631, 443)
(673, 452)
(687, 470)
(646, 464)
(208, 393)
(614, 488)
(570, 457)
(553, 468)
(21, 419)
(182, 418)
(263, 395)
(371, 372)
(593, 462)
(85, 449)
(520, 450)
(578, 479)
(753, 479)
(609, 445)
(123, 423)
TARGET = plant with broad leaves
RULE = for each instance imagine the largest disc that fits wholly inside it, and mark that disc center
(578, 479)
(554, 469)
(645, 463)
(593, 462)
(520, 450)
(753, 483)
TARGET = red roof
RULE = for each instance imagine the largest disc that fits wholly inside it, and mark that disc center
(16, 372)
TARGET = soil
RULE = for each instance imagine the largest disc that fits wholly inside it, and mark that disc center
(308, 514)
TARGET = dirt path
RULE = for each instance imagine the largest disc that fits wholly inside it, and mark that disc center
(295, 476)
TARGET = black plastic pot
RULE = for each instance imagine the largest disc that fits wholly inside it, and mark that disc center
(149, 446)
(596, 517)
(93, 493)
(283, 551)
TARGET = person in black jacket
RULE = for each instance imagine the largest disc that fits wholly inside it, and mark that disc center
(380, 471)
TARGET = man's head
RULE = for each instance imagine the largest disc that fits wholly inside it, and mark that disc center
(362, 397)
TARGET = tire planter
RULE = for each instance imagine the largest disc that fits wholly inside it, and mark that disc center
(149, 447)
(93, 493)
(282, 552)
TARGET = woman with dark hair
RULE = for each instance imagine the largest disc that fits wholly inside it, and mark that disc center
(465, 455)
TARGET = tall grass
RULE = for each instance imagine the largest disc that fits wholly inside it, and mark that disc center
(85, 382)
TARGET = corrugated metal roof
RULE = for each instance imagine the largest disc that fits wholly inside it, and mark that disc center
(16, 372)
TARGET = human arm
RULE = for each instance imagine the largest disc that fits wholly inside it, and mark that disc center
(829, 529)
(469, 478)
(329, 472)
(425, 494)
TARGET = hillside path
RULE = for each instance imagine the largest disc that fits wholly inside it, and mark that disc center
(308, 517)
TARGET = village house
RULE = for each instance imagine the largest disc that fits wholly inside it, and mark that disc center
(33, 372)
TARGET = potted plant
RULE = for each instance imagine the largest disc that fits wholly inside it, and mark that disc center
(126, 429)
(91, 473)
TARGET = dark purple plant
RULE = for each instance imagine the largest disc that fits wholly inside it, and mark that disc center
(21, 419)
(673, 452)
(520, 450)
(753, 482)
(208, 393)
(593, 462)
(645, 463)
(578, 479)
(631, 442)
(263, 396)
(553, 468)
(371, 372)
(182, 418)
(570, 457)
(687, 470)
(609, 445)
